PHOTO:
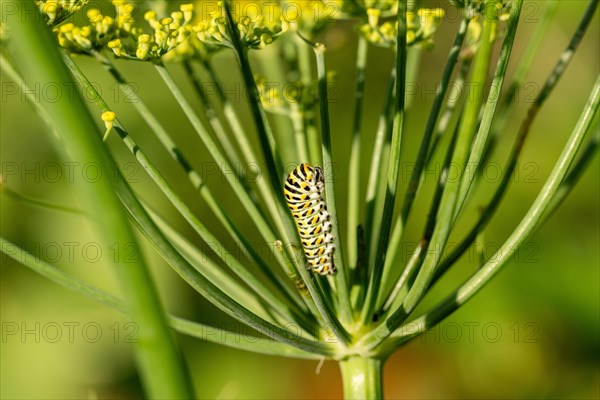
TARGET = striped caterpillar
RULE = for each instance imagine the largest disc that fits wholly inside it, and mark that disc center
(304, 195)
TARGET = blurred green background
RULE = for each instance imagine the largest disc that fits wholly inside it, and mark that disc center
(532, 333)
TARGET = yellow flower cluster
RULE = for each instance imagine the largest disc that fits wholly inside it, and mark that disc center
(87, 38)
(359, 8)
(167, 33)
(259, 26)
(200, 28)
(308, 16)
(421, 27)
(56, 12)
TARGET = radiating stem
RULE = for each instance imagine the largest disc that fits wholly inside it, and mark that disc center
(393, 173)
(379, 163)
(340, 277)
(354, 164)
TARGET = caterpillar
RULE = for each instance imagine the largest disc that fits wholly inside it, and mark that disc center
(303, 192)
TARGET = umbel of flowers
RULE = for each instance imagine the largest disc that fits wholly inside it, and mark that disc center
(189, 33)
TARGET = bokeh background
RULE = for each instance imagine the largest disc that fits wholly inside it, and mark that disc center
(532, 333)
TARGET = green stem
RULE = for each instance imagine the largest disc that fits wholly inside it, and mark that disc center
(415, 179)
(459, 158)
(280, 215)
(340, 277)
(256, 214)
(196, 280)
(376, 269)
(587, 155)
(297, 117)
(396, 298)
(202, 285)
(362, 378)
(376, 184)
(219, 130)
(35, 52)
(354, 164)
(239, 134)
(275, 172)
(523, 68)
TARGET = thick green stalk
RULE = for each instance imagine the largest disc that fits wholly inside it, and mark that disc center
(530, 221)
(35, 52)
(362, 378)
(354, 164)
(376, 269)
